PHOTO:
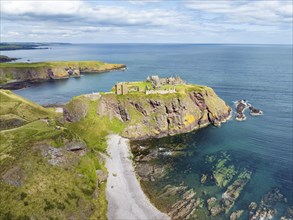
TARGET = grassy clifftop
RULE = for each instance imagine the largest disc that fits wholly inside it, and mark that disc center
(92, 65)
(164, 112)
(16, 111)
(12, 73)
(47, 171)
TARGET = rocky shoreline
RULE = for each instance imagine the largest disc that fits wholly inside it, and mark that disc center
(180, 201)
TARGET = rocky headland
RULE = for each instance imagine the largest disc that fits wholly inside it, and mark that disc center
(19, 75)
(164, 112)
(4, 59)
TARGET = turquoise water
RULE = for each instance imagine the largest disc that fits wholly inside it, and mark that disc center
(262, 74)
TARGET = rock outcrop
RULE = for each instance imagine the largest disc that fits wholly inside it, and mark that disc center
(19, 75)
(4, 59)
(159, 115)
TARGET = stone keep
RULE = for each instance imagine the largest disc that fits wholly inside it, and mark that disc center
(121, 89)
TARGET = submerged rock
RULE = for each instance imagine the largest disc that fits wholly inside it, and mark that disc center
(290, 212)
(234, 190)
(252, 206)
(150, 172)
(216, 210)
(203, 178)
(222, 170)
(236, 215)
(185, 207)
(211, 202)
(267, 206)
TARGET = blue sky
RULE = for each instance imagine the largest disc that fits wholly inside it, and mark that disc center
(154, 21)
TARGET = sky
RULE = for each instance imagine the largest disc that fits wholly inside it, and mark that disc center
(153, 21)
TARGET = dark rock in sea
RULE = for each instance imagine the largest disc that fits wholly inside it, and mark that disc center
(267, 206)
(255, 112)
(252, 206)
(241, 106)
(4, 59)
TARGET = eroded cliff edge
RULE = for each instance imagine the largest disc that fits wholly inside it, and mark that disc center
(154, 115)
(19, 75)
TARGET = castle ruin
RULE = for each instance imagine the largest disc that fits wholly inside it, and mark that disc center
(121, 89)
(157, 82)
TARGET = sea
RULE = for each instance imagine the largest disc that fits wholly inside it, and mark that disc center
(261, 74)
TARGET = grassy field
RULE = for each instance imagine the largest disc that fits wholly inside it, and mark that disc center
(32, 187)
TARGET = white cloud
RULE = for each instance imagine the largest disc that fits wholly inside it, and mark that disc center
(80, 20)
(82, 12)
(257, 12)
(41, 7)
(143, 2)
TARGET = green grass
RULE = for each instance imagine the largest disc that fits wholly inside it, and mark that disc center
(47, 191)
(19, 71)
(94, 129)
(27, 110)
(77, 64)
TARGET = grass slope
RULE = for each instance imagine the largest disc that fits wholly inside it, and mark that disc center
(93, 129)
(30, 186)
(15, 110)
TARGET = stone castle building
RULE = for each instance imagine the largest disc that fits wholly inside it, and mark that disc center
(121, 89)
(157, 82)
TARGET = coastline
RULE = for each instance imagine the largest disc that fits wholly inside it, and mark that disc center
(126, 200)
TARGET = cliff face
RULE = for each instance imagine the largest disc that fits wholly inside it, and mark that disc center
(158, 115)
(17, 74)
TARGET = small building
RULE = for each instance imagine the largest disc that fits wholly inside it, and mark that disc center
(121, 89)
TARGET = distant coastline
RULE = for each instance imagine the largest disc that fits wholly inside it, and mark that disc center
(20, 75)
(26, 46)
